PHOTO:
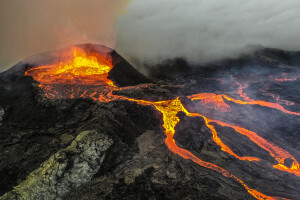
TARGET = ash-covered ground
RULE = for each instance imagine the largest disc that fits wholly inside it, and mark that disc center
(82, 148)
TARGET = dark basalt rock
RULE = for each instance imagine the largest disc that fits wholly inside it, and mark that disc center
(116, 149)
(26, 144)
(33, 128)
(191, 133)
(65, 170)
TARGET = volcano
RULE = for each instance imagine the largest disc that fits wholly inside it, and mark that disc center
(82, 123)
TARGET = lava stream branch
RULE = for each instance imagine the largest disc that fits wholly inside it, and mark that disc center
(276, 152)
(171, 144)
(262, 103)
(258, 102)
(219, 142)
(217, 101)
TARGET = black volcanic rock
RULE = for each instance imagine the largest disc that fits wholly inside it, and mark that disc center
(27, 144)
(124, 74)
(84, 149)
(191, 133)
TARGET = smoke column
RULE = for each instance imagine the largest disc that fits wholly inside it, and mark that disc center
(29, 27)
(206, 30)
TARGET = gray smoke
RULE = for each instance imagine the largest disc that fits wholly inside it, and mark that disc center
(30, 27)
(206, 30)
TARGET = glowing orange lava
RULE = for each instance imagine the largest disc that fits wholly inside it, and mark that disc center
(86, 76)
(211, 100)
(219, 102)
(81, 75)
(286, 77)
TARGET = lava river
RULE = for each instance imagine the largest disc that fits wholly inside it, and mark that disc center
(86, 76)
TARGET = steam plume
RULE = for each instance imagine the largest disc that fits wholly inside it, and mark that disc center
(206, 30)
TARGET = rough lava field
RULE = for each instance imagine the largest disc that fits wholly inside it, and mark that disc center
(82, 123)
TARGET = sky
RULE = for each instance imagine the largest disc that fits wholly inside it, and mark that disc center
(29, 27)
(148, 32)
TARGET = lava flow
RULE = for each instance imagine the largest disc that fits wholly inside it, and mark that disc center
(285, 77)
(86, 76)
(211, 100)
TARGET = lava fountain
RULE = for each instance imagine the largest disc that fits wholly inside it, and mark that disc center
(85, 75)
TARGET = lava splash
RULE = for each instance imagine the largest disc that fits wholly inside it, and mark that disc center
(86, 76)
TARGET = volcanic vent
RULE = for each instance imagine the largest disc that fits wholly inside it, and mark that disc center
(98, 128)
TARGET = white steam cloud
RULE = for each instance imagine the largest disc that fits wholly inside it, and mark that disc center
(150, 31)
(206, 30)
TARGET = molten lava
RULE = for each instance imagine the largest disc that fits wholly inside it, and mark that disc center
(86, 76)
(285, 77)
(81, 75)
(219, 103)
